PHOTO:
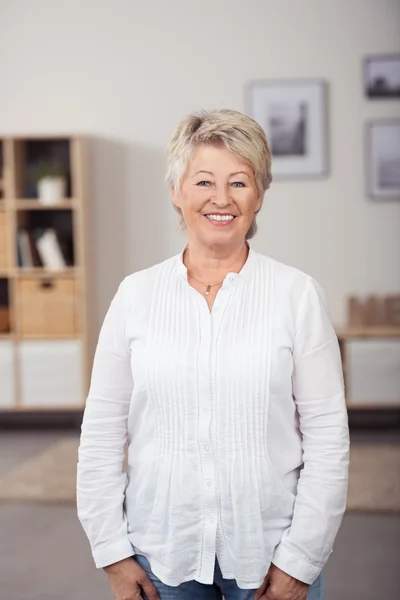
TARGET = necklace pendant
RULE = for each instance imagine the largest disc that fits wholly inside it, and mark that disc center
(208, 290)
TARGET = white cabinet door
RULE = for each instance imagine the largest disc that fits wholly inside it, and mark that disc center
(374, 372)
(6, 374)
(51, 374)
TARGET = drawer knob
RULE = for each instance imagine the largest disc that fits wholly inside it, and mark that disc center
(46, 284)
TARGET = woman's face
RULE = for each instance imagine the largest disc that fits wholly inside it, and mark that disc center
(218, 197)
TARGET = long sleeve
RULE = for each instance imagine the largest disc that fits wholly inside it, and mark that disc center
(318, 392)
(101, 480)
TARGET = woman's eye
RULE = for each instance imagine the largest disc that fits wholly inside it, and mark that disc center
(238, 184)
(203, 183)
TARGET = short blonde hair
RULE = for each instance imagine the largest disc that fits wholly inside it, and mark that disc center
(239, 133)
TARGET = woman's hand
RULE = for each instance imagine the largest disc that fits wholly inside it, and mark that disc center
(278, 585)
(127, 578)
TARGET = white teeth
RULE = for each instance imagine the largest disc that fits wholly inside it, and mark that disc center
(220, 217)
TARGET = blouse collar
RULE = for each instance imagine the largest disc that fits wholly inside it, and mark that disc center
(231, 276)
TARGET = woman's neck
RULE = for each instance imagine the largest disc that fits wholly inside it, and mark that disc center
(212, 263)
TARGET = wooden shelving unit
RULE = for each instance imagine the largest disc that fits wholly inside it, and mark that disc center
(46, 345)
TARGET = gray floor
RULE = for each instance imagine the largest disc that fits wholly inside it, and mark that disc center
(44, 554)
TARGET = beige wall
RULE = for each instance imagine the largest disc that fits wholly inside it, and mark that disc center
(125, 72)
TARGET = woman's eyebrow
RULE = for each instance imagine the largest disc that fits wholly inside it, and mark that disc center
(230, 175)
(238, 173)
(208, 172)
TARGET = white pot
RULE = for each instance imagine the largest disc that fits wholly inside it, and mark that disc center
(51, 190)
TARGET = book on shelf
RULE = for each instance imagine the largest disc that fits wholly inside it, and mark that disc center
(42, 248)
(25, 258)
(49, 250)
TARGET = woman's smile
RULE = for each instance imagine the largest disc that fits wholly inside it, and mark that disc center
(220, 219)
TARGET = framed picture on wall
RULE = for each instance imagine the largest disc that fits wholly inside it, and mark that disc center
(383, 159)
(294, 117)
(382, 77)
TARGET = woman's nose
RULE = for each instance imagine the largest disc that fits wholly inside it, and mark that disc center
(221, 197)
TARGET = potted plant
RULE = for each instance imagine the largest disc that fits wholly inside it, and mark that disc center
(50, 179)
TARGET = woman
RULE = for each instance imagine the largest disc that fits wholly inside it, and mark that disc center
(221, 371)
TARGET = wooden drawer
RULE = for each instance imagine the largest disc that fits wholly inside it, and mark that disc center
(4, 262)
(47, 307)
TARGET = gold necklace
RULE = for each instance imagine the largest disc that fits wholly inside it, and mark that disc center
(207, 286)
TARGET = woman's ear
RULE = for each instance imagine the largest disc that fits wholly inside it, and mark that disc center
(175, 196)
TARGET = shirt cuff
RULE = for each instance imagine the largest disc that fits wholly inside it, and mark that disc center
(296, 566)
(112, 553)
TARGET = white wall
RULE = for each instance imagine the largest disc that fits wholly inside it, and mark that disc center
(125, 72)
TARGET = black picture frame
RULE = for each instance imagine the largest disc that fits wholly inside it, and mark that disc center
(381, 77)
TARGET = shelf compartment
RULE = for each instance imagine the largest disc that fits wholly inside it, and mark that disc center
(56, 249)
(5, 310)
(33, 153)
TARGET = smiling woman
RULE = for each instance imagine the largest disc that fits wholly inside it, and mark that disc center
(218, 206)
(221, 369)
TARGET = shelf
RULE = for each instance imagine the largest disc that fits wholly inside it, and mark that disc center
(6, 273)
(26, 204)
(368, 332)
(39, 272)
(46, 338)
(373, 405)
(18, 408)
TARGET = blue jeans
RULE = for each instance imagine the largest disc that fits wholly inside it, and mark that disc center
(222, 588)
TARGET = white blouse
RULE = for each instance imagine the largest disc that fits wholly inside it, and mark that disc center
(234, 420)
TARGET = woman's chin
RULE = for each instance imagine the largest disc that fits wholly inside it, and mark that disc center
(219, 233)
(219, 239)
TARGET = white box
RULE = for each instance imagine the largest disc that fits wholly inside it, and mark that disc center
(374, 372)
(51, 374)
(7, 374)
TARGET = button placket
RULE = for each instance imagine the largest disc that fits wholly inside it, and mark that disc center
(210, 323)
(205, 444)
